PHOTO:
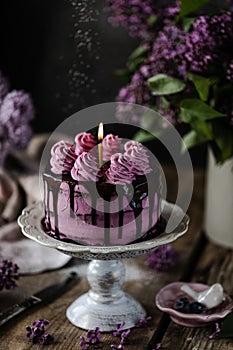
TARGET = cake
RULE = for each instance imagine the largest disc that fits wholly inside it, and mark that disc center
(113, 204)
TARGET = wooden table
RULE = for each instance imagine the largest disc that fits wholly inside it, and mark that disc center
(200, 261)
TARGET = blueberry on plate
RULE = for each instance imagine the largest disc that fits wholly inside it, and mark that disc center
(197, 308)
(183, 305)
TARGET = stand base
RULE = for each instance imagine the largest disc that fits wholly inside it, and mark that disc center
(87, 314)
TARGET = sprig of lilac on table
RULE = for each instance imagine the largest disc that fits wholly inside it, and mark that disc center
(163, 258)
(8, 275)
(157, 346)
(216, 331)
(119, 329)
(124, 338)
(143, 322)
(37, 332)
(93, 337)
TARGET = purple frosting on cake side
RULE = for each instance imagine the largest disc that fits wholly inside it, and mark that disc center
(138, 156)
(85, 168)
(84, 142)
(111, 144)
(62, 157)
(120, 170)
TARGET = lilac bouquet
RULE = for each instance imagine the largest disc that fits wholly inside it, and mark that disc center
(183, 67)
(16, 112)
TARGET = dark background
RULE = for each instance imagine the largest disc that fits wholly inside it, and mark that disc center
(41, 53)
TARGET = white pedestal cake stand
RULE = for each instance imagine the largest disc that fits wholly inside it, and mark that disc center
(106, 304)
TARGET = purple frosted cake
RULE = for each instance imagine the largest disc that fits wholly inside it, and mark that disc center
(110, 205)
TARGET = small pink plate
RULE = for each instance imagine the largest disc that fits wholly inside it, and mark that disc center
(166, 299)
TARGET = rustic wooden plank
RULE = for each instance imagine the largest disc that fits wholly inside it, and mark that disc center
(141, 282)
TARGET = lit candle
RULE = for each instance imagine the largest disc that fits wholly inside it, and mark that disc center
(100, 138)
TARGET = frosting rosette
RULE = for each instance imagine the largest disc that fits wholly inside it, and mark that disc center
(137, 154)
(111, 144)
(85, 168)
(120, 170)
(62, 157)
(84, 142)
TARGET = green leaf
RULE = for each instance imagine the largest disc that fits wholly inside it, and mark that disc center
(143, 136)
(152, 20)
(223, 137)
(135, 64)
(138, 52)
(189, 6)
(187, 22)
(162, 84)
(202, 85)
(192, 139)
(165, 102)
(203, 128)
(194, 109)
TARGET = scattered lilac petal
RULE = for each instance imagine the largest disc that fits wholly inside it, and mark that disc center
(37, 333)
(144, 321)
(8, 275)
(216, 332)
(119, 329)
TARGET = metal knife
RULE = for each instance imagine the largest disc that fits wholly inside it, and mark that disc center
(49, 293)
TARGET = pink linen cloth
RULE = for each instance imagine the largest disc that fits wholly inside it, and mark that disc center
(19, 187)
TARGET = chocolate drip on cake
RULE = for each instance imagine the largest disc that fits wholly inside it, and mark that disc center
(52, 188)
(71, 188)
(93, 211)
(135, 192)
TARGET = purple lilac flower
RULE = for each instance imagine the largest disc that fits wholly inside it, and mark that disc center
(37, 333)
(93, 336)
(17, 107)
(163, 258)
(16, 112)
(124, 337)
(167, 56)
(230, 71)
(118, 330)
(8, 275)
(216, 332)
(168, 52)
(157, 346)
(167, 14)
(83, 343)
(143, 322)
(4, 87)
(135, 15)
(208, 41)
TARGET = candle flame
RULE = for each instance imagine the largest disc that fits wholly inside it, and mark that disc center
(101, 132)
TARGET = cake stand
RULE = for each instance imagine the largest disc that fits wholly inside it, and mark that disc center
(105, 305)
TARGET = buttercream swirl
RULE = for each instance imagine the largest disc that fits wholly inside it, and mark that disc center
(84, 142)
(111, 144)
(120, 170)
(137, 154)
(62, 157)
(85, 168)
